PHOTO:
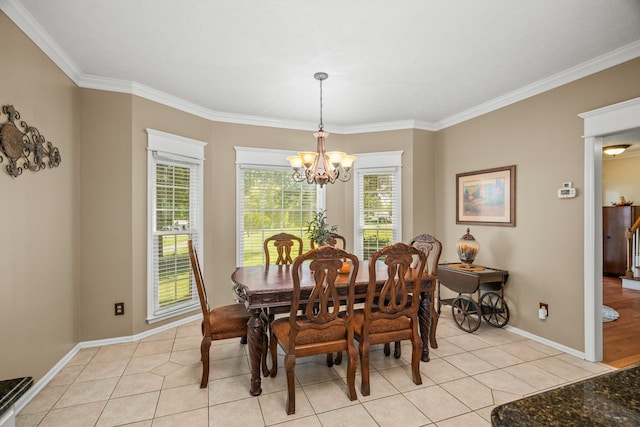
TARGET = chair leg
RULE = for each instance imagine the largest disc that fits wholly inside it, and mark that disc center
(416, 355)
(338, 358)
(352, 362)
(387, 349)
(243, 340)
(289, 366)
(273, 346)
(397, 352)
(329, 359)
(205, 345)
(365, 387)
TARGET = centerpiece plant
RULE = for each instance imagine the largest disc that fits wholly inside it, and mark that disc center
(319, 230)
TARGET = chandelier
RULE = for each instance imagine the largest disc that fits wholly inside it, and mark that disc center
(321, 167)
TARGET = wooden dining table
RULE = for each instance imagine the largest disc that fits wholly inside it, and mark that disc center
(271, 287)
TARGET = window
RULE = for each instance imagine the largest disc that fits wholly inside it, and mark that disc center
(270, 202)
(174, 216)
(377, 204)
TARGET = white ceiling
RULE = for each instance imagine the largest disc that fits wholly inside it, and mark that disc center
(407, 63)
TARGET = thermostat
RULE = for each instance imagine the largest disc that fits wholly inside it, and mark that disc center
(566, 193)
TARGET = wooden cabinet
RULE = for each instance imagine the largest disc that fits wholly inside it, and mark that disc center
(615, 221)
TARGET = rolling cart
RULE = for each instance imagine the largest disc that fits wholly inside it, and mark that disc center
(486, 284)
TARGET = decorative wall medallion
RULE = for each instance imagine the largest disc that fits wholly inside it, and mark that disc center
(24, 149)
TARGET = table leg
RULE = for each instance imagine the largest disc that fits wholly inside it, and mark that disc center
(424, 318)
(255, 336)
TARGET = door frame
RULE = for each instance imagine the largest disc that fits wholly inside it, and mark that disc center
(598, 123)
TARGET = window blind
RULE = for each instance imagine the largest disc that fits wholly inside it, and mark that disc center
(175, 215)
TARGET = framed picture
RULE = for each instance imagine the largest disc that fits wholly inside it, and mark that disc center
(487, 197)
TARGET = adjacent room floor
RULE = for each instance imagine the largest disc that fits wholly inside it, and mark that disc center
(155, 382)
(621, 338)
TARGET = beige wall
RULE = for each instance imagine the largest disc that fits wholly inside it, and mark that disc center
(39, 216)
(544, 252)
(621, 177)
(74, 237)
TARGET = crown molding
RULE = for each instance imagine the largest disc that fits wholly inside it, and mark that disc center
(608, 60)
(21, 17)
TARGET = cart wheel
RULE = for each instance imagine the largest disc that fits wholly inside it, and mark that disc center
(494, 309)
(465, 313)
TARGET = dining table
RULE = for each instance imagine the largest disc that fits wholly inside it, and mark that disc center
(262, 288)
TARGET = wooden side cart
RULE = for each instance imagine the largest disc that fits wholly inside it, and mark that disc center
(484, 284)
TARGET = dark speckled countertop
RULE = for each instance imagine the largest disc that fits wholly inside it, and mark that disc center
(11, 390)
(611, 399)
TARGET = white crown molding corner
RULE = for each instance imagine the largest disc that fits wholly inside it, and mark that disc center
(23, 19)
(608, 60)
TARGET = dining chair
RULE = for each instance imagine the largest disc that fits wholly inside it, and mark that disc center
(335, 240)
(432, 249)
(394, 317)
(321, 327)
(227, 321)
(284, 244)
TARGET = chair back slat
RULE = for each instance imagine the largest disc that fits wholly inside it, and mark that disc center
(323, 302)
(202, 291)
(335, 240)
(432, 249)
(284, 243)
(394, 299)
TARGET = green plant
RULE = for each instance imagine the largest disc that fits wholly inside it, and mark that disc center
(318, 230)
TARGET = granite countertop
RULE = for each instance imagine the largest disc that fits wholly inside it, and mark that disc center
(12, 390)
(611, 399)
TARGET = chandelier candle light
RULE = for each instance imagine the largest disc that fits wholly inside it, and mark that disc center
(321, 167)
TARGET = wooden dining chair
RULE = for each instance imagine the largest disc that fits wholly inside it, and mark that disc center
(395, 315)
(321, 328)
(335, 240)
(432, 249)
(227, 321)
(284, 244)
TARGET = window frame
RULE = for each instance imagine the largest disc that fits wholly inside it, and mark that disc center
(167, 148)
(266, 159)
(373, 164)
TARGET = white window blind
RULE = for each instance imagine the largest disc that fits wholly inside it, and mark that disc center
(175, 216)
(377, 202)
(270, 202)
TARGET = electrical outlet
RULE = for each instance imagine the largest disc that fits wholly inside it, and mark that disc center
(546, 308)
(119, 308)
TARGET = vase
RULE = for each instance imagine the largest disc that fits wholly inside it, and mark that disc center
(467, 248)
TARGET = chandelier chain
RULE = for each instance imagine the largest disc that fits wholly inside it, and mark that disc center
(321, 125)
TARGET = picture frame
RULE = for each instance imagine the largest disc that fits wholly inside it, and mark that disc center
(487, 197)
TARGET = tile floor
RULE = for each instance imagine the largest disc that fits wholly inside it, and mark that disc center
(155, 382)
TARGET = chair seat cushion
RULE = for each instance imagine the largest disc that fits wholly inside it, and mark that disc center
(380, 326)
(280, 328)
(229, 318)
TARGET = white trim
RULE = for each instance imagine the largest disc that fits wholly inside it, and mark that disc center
(21, 17)
(42, 383)
(189, 152)
(378, 160)
(546, 342)
(262, 156)
(603, 121)
(175, 144)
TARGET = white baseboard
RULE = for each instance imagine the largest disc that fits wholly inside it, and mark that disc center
(547, 342)
(42, 382)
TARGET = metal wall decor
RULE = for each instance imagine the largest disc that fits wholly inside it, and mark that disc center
(24, 147)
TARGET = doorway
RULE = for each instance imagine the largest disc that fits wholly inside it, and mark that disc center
(598, 124)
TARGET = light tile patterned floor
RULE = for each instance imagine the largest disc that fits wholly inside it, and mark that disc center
(155, 382)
